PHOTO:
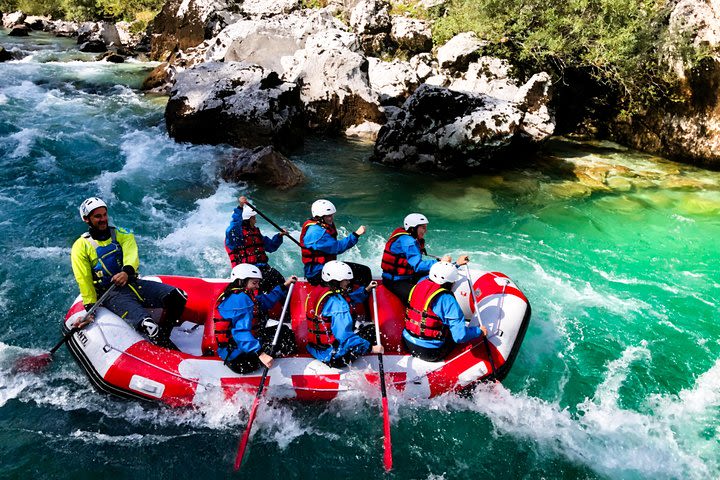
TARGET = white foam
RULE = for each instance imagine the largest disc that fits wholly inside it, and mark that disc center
(25, 139)
(44, 252)
(200, 236)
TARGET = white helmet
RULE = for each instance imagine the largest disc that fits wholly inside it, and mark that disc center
(89, 205)
(415, 219)
(322, 207)
(443, 272)
(243, 271)
(336, 270)
(248, 212)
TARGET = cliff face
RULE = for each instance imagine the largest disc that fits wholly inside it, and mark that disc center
(689, 130)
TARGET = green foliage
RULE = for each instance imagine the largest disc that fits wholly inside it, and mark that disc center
(140, 12)
(314, 3)
(620, 41)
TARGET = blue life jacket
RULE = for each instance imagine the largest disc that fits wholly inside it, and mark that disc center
(110, 259)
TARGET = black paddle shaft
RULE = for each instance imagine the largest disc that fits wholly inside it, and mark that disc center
(73, 330)
(272, 223)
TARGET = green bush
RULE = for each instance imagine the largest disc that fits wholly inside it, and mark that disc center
(619, 41)
(139, 11)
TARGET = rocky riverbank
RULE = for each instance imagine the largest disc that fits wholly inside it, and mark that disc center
(262, 74)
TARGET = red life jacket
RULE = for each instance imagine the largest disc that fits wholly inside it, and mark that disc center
(253, 249)
(310, 255)
(319, 326)
(396, 264)
(420, 320)
(223, 326)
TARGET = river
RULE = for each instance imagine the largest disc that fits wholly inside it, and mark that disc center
(618, 376)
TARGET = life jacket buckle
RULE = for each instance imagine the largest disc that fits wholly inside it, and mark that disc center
(107, 348)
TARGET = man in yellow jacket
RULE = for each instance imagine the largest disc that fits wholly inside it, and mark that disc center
(106, 255)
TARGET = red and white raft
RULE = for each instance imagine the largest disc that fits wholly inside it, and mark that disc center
(119, 360)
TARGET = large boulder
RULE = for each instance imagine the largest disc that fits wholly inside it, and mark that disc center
(439, 129)
(370, 20)
(9, 20)
(20, 30)
(411, 34)
(104, 32)
(336, 90)
(392, 81)
(186, 23)
(61, 28)
(236, 103)
(459, 51)
(4, 54)
(687, 130)
(262, 165)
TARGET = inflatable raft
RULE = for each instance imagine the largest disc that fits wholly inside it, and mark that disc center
(118, 360)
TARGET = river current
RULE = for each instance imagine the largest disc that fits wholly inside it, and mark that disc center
(618, 376)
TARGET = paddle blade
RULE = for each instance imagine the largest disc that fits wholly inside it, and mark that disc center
(387, 454)
(246, 434)
(33, 364)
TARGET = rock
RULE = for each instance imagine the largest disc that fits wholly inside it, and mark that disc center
(444, 130)
(158, 78)
(20, 30)
(104, 32)
(93, 46)
(459, 51)
(62, 28)
(126, 36)
(370, 20)
(182, 24)
(424, 65)
(262, 165)
(393, 81)
(236, 103)
(36, 22)
(411, 34)
(369, 17)
(688, 129)
(9, 20)
(268, 8)
(334, 77)
(365, 131)
(5, 55)
(111, 57)
(267, 42)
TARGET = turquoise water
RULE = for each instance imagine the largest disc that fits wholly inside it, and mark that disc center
(618, 376)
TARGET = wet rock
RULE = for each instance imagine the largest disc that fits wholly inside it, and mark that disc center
(262, 165)
(111, 57)
(236, 103)
(93, 46)
(159, 78)
(19, 31)
(4, 55)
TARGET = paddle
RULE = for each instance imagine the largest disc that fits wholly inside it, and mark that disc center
(387, 454)
(38, 362)
(486, 341)
(256, 402)
(272, 223)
